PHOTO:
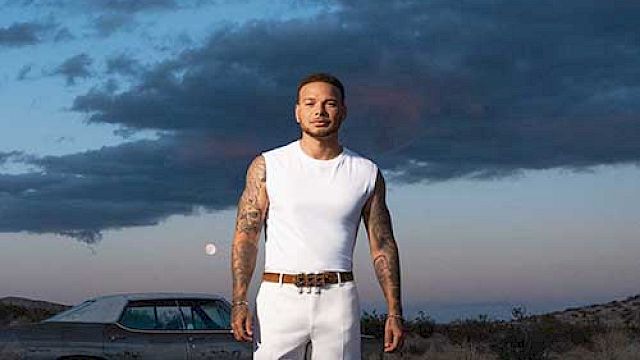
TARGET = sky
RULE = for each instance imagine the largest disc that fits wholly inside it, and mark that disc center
(508, 132)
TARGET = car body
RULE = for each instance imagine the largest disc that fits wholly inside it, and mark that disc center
(131, 326)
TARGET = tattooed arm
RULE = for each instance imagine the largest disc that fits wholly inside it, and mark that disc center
(252, 209)
(386, 261)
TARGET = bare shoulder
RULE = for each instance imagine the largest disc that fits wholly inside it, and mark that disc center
(377, 196)
(255, 191)
(254, 201)
(376, 203)
(257, 169)
(380, 183)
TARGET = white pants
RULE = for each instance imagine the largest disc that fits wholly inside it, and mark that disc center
(287, 320)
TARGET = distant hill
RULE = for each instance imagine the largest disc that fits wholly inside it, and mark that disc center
(617, 313)
(16, 310)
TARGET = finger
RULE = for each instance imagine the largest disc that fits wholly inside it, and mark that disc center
(234, 331)
(388, 336)
(397, 336)
(391, 345)
(248, 326)
(239, 327)
(238, 331)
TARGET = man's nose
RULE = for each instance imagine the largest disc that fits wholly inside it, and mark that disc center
(320, 110)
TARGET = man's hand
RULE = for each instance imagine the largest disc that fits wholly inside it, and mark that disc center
(241, 323)
(393, 334)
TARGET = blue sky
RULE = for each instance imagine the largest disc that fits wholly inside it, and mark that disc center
(508, 133)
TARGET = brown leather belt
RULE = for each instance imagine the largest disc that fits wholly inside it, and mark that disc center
(309, 280)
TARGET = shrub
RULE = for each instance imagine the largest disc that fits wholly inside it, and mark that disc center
(422, 325)
(476, 330)
(373, 324)
(535, 338)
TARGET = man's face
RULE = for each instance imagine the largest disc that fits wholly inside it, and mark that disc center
(320, 110)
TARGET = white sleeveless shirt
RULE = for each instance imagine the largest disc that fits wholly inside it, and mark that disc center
(314, 208)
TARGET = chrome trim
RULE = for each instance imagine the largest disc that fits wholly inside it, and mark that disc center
(181, 331)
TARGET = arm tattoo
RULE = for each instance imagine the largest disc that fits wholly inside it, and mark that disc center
(251, 213)
(249, 219)
(384, 250)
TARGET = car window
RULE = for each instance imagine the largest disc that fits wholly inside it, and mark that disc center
(152, 316)
(218, 313)
(139, 317)
(169, 318)
(205, 315)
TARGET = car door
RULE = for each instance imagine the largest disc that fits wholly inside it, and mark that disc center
(208, 329)
(149, 329)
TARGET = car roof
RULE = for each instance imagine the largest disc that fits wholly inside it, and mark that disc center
(107, 308)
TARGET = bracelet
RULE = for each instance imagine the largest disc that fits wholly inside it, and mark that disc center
(239, 303)
(395, 316)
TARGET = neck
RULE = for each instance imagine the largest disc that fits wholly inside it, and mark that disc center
(321, 149)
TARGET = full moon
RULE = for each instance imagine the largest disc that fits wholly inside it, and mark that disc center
(210, 249)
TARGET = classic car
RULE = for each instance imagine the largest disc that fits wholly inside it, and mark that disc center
(131, 326)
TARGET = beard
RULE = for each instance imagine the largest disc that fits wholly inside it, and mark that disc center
(320, 133)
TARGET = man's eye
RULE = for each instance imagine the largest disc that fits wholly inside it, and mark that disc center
(332, 104)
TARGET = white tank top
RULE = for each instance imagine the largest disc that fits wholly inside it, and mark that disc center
(314, 208)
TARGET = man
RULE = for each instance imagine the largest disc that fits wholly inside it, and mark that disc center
(312, 194)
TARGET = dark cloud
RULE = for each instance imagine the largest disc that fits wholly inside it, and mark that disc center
(110, 23)
(436, 90)
(77, 66)
(130, 6)
(24, 33)
(123, 64)
(124, 6)
(134, 184)
(7, 156)
(105, 16)
(462, 89)
(63, 35)
(24, 71)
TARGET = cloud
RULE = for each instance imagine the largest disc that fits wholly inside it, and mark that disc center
(131, 6)
(74, 67)
(123, 64)
(134, 184)
(436, 91)
(24, 71)
(124, 6)
(478, 90)
(105, 16)
(107, 24)
(24, 33)
(63, 35)
(8, 156)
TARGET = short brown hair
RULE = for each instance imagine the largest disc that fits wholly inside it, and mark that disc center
(320, 77)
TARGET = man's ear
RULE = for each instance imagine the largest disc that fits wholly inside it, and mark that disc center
(296, 113)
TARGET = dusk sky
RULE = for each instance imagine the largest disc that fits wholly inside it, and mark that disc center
(508, 132)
